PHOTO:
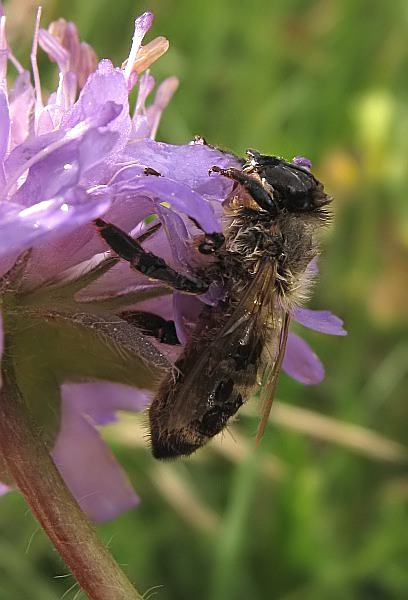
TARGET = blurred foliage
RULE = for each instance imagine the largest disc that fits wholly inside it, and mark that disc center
(312, 514)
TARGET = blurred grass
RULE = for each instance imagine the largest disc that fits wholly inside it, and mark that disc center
(305, 517)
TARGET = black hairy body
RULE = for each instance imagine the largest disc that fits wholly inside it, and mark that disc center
(263, 267)
(270, 235)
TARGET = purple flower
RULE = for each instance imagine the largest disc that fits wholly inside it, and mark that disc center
(76, 360)
(58, 171)
(300, 361)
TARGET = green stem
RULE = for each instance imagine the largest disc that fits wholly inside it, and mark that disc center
(28, 461)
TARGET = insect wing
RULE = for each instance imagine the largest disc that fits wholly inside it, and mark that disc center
(271, 376)
(242, 335)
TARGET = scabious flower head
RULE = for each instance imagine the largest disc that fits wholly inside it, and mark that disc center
(63, 163)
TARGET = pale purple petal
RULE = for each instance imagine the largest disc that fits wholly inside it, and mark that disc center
(313, 267)
(54, 49)
(301, 363)
(140, 122)
(62, 44)
(90, 470)
(20, 228)
(86, 464)
(214, 294)
(100, 400)
(319, 320)
(163, 96)
(162, 306)
(302, 161)
(53, 256)
(177, 235)
(21, 107)
(188, 164)
(128, 209)
(119, 280)
(63, 168)
(146, 85)
(7, 261)
(57, 160)
(186, 311)
(106, 84)
(181, 197)
(4, 131)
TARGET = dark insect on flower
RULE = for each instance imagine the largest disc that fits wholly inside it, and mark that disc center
(262, 263)
(77, 322)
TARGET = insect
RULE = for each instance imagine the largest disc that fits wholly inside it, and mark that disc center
(272, 220)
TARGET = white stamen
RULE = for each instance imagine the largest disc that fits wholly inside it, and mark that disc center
(8, 55)
(3, 54)
(36, 76)
(142, 25)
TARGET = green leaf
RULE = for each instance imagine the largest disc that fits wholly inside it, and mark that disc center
(48, 349)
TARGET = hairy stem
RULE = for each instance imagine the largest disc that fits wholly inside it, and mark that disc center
(28, 461)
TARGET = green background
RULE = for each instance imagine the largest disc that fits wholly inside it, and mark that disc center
(319, 512)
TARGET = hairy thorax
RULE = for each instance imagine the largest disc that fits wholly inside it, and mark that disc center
(290, 242)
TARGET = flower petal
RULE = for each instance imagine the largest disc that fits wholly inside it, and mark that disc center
(55, 50)
(180, 197)
(188, 164)
(4, 132)
(106, 85)
(85, 462)
(186, 311)
(20, 228)
(21, 108)
(90, 471)
(319, 320)
(177, 236)
(302, 161)
(163, 96)
(100, 400)
(53, 256)
(301, 363)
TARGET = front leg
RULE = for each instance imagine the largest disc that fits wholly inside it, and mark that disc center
(252, 185)
(153, 325)
(145, 262)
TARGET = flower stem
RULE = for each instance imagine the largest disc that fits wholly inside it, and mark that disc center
(28, 461)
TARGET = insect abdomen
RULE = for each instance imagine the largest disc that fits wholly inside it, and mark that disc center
(216, 391)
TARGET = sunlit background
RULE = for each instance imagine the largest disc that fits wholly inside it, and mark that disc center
(319, 512)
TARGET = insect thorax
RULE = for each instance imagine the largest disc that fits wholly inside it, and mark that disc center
(289, 242)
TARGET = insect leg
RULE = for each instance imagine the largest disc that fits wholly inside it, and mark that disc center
(148, 233)
(211, 243)
(145, 262)
(152, 325)
(253, 187)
